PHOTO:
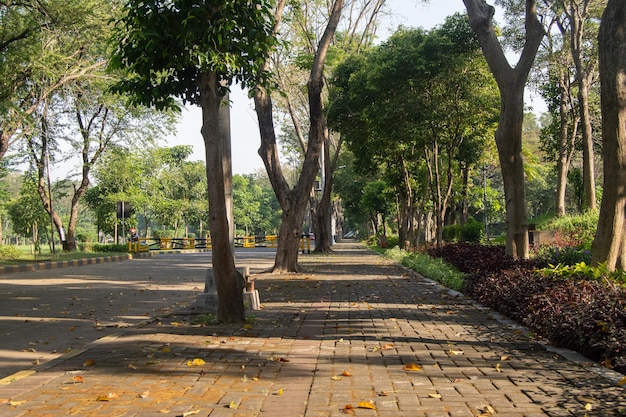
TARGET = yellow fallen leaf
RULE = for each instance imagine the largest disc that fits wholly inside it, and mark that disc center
(164, 411)
(14, 403)
(131, 366)
(456, 352)
(498, 368)
(504, 358)
(78, 379)
(247, 326)
(89, 362)
(190, 413)
(107, 397)
(366, 404)
(622, 382)
(387, 346)
(434, 395)
(412, 367)
(144, 394)
(166, 350)
(335, 378)
(232, 405)
(196, 362)
(588, 407)
(346, 373)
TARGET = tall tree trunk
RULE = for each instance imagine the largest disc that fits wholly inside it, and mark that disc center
(567, 137)
(578, 13)
(609, 244)
(228, 281)
(294, 202)
(511, 82)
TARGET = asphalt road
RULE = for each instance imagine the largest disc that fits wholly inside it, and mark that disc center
(46, 314)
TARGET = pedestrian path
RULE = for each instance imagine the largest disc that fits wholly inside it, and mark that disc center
(352, 335)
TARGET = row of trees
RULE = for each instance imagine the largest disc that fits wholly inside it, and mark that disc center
(166, 191)
(194, 51)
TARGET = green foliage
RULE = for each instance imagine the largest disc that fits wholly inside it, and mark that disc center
(433, 268)
(97, 247)
(576, 231)
(9, 253)
(566, 255)
(166, 47)
(451, 233)
(582, 270)
(163, 234)
(472, 231)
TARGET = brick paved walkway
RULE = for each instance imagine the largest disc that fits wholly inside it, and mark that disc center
(354, 335)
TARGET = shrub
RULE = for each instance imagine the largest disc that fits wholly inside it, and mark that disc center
(165, 234)
(574, 231)
(9, 253)
(566, 255)
(472, 231)
(451, 233)
(110, 248)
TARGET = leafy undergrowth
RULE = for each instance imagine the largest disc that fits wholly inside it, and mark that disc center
(581, 314)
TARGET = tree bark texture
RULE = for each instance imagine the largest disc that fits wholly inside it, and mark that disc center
(610, 241)
(511, 82)
(228, 281)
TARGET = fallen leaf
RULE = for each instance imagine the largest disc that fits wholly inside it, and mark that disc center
(335, 378)
(232, 405)
(89, 362)
(247, 326)
(412, 367)
(144, 394)
(458, 380)
(346, 373)
(387, 346)
(498, 368)
(456, 352)
(434, 395)
(166, 350)
(78, 379)
(196, 362)
(190, 413)
(588, 407)
(348, 409)
(621, 382)
(107, 397)
(14, 403)
(504, 358)
(131, 366)
(383, 394)
(367, 404)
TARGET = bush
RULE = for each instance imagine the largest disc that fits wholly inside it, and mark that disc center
(111, 248)
(9, 253)
(573, 231)
(451, 233)
(472, 231)
(165, 234)
(566, 255)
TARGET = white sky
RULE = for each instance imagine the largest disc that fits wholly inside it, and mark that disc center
(244, 125)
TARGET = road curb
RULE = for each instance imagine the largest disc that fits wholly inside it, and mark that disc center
(50, 265)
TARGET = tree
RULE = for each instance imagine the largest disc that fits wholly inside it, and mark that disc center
(609, 244)
(293, 201)
(511, 82)
(580, 14)
(34, 37)
(194, 50)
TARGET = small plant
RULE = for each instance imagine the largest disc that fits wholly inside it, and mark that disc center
(472, 231)
(582, 270)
